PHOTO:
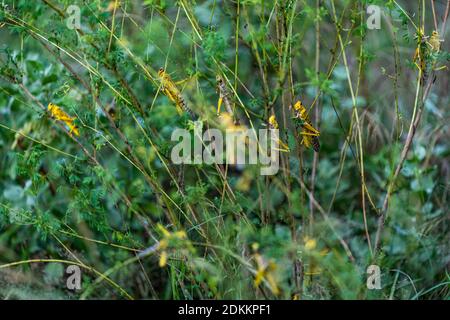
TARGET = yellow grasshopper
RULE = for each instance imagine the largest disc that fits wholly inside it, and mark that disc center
(224, 95)
(59, 115)
(426, 47)
(435, 46)
(273, 124)
(310, 134)
(435, 41)
(170, 89)
(225, 98)
(266, 271)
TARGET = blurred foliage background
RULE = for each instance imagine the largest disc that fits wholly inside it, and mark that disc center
(110, 201)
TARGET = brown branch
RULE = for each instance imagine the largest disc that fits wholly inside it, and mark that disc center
(434, 15)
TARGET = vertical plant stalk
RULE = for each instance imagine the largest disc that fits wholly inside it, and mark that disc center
(434, 15)
(355, 114)
(316, 117)
(112, 25)
(236, 43)
(415, 120)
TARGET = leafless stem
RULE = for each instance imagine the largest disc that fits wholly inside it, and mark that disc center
(409, 139)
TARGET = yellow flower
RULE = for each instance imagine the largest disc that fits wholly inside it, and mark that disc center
(271, 278)
(113, 5)
(163, 230)
(266, 271)
(310, 243)
(180, 235)
(244, 182)
(163, 259)
(230, 126)
(165, 242)
(227, 122)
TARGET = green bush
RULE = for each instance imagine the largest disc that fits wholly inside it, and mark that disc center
(91, 183)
